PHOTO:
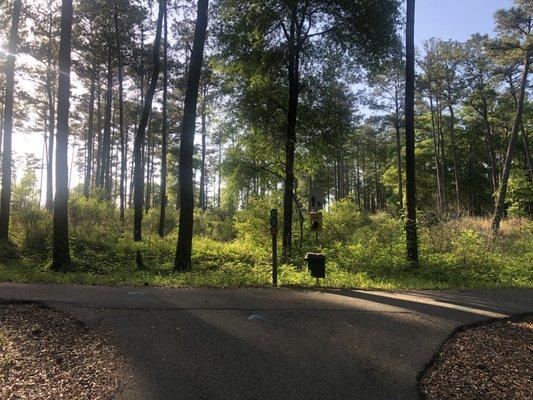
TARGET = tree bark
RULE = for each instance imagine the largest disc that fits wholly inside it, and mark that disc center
(500, 201)
(5, 196)
(140, 138)
(1, 131)
(61, 250)
(454, 157)
(410, 226)
(399, 161)
(441, 196)
(527, 153)
(442, 148)
(43, 155)
(132, 167)
(123, 159)
(97, 181)
(164, 133)
(202, 199)
(184, 245)
(105, 177)
(219, 179)
(148, 165)
(51, 130)
(90, 136)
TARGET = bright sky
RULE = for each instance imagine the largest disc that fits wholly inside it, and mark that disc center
(455, 19)
(445, 19)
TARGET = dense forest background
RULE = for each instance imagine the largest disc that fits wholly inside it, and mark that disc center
(300, 106)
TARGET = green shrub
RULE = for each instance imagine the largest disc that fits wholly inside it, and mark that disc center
(151, 220)
(94, 218)
(34, 229)
(215, 224)
(366, 251)
(8, 252)
(342, 221)
(253, 223)
(520, 195)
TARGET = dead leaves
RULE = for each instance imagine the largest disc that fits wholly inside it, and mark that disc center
(487, 362)
(45, 355)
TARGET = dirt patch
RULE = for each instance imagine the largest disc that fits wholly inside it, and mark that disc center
(491, 361)
(46, 354)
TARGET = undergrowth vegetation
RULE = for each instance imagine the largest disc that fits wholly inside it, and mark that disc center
(364, 251)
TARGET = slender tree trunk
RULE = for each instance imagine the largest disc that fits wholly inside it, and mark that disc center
(147, 164)
(50, 112)
(358, 183)
(140, 138)
(61, 250)
(5, 196)
(202, 202)
(376, 183)
(441, 198)
(43, 153)
(454, 157)
(132, 167)
(184, 245)
(123, 159)
(106, 145)
(399, 159)
(71, 168)
(219, 179)
(442, 148)
(97, 181)
(410, 227)
(1, 130)
(151, 171)
(90, 136)
(141, 72)
(492, 154)
(363, 185)
(51, 136)
(527, 153)
(163, 191)
(290, 140)
(471, 203)
(500, 201)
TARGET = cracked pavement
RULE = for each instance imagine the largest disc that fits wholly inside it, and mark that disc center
(195, 343)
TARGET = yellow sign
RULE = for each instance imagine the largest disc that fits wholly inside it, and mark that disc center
(315, 221)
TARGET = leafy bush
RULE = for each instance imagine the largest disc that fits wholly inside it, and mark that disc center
(252, 224)
(520, 195)
(362, 250)
(343, 221)
(151, 220)
(216, 224)
(94, 218)
(34, 228)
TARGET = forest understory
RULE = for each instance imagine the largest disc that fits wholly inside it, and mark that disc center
(363, 251)
(417, 153)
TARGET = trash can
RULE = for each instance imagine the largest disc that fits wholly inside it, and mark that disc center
(316, 263)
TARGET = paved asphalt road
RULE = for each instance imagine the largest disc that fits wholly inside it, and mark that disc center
(274, 344)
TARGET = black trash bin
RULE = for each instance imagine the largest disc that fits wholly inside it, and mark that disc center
(316, 262)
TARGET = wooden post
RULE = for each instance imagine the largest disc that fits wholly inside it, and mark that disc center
(274, 232)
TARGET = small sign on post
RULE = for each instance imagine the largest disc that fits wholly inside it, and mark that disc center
(274, 233)
(316, 261)
(315, 223)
